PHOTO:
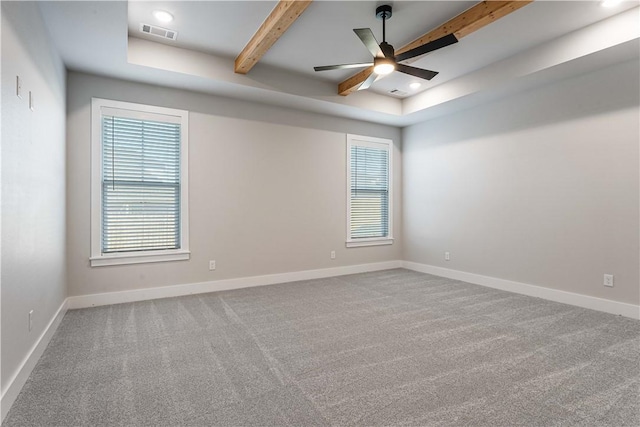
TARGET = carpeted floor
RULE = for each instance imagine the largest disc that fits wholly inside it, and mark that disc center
(387, 348)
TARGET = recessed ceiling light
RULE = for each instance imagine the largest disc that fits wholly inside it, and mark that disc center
(415, 85)
(163, 15)
(610, 3)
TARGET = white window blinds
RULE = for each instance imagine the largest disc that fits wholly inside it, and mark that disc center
(140, 185)
(369, 190)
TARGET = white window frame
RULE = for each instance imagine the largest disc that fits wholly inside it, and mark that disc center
(99, 107)
(369, 141)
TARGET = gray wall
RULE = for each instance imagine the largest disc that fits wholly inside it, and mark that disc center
(33, 184)
(540, 188)
(267, 189)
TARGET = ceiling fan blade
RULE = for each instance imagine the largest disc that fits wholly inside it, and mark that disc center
(445, 41)
(369, 40)
(416, 72)
(343, 66)
(365, 84)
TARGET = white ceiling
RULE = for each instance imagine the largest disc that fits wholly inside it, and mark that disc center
(93, 37)
(323, 35)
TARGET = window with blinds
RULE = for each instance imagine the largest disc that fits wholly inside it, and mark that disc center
(369, 191)
(139, 183)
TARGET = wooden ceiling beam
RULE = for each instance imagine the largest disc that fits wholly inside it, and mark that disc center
(478, 16)
(279, 20)
(353, 82)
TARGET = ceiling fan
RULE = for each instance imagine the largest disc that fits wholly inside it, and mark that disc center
(385, 60)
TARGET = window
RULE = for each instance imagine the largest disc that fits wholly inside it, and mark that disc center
(369, 195)
(139, 183)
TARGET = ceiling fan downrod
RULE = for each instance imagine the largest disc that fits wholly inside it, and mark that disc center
(384, 12)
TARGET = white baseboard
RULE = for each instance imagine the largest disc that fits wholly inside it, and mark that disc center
(594, 303)
(83, 301)
(20, 378)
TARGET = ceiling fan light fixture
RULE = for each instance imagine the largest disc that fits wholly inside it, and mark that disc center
(162, 15)
(383, 66)
(385, 60)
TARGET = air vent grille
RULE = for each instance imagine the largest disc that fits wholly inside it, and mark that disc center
(398, 92)
(158, 31)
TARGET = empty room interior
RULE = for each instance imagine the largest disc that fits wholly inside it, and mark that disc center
(320, 213)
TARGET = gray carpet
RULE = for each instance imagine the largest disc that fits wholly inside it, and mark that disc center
(387, 348)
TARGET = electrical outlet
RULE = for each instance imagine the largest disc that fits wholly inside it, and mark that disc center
(333, 254)
(212, 265)
(30, 320)
(608, 280)
(447, 256)
(18, 87)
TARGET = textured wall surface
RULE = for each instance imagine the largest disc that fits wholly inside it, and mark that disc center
(267, 189)
(540, 188)
(33, 183)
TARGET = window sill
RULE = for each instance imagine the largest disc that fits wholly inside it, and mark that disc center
(137, 258)
(369, 242)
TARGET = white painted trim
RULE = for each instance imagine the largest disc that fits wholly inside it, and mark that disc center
(83, 301)
(369, 242)
(16, 383)
(142, 257)
(140, 111)
(585, 301)
(380, 144)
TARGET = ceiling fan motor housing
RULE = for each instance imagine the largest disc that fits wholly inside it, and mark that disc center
(387, 49)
